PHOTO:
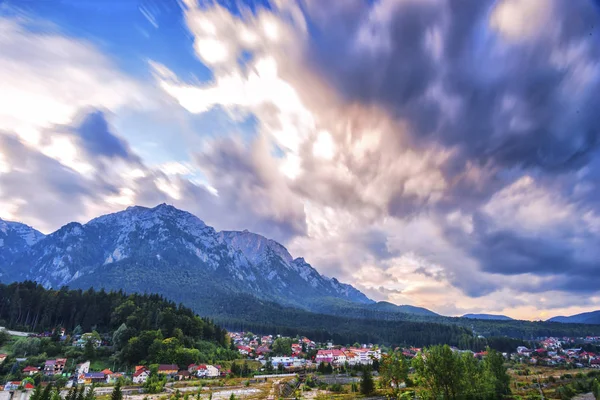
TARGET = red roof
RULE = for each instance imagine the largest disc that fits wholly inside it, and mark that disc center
(29, 386)
(106, 371)
(29, 368)
(140, 371)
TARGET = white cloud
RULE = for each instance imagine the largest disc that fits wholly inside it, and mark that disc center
(47, 78)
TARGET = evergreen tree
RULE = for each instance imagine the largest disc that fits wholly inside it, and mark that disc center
(81, 393)
(116, 393)
(366, 382)
(37, 393)
(89, 350)
(47, 393)
(90, 395)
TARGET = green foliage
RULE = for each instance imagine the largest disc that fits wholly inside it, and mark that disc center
(367, 386)
(282, 346)
(26, 346)
(144, 328)
(155, 383)
(117, 394)
(106, 311)
(442, 373)
(393, 370)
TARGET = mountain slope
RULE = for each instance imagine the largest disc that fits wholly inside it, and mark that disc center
(385, 306)
(15, 238)
(592, 317)
(167, 250)
(488, 317)
(267, 254)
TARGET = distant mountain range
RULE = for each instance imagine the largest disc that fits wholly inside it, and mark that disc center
(488, 317)
(169, 251)
(237, 277)
(592, 317)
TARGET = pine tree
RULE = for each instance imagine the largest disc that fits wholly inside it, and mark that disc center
(37, 393)
(116, 393)
(47, 393)
(90, 395)
(366, 382)
(72, 393)
(80, 393)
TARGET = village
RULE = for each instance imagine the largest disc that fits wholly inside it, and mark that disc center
(263, 357)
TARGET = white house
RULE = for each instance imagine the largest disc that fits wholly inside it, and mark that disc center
(141, 375)
(83, 368)
(287, 362)
(208, 371)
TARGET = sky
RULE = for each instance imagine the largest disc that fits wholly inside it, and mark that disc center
(438, 153)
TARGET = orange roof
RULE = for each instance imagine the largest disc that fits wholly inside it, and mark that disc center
(106, 371)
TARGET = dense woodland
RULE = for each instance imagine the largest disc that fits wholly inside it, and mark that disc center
(137, 328)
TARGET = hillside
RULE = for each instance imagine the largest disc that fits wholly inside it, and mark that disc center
(592, 317)
(494, 317)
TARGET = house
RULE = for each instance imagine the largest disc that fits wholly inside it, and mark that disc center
(183, 375)
(54, 367)
(244, 350)
(141, 374)
(208, 371)
(3, 357)
(29, 370)
(28, 386)
(93, 377)
(168, 369)
(333, 356)
(287, 362)
(192, 369)
(114, 377)
(262, 350)
(10, 386)
(82, 368)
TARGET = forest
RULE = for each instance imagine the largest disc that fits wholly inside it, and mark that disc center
(135, 328)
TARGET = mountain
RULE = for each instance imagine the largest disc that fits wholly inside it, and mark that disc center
(172, 252)
(15, 238)
(385, 306)
(488, 317)
(592, 317)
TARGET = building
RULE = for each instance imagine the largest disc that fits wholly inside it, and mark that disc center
(54, 367)
(10, 386)
(83, 368)
(168, 369)
(208, 371)
(288, 362)
(140, 375)
(29, 370)
(183, 375)
(93, 377)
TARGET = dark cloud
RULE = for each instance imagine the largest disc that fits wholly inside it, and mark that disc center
(98, 140)
(251, 192)
(480, 71)
(44, 189)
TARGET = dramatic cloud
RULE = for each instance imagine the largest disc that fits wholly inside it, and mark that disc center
(458, 134)
(429, 152)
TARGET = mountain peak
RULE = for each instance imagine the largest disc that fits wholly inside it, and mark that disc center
(176, 246)
(254, 246)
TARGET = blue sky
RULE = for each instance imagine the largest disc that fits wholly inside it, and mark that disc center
(439, 156)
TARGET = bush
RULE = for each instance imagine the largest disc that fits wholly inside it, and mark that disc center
(336, 388)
